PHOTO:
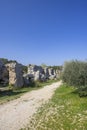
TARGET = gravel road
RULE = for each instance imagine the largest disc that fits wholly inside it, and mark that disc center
(16, 114)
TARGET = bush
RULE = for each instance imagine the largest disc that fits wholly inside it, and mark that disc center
(83, 91)
(5, 61)
(35, 84)
(24, 69)
(75, 73)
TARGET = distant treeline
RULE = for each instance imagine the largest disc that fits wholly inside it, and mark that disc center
(5, 61)
(56, 67)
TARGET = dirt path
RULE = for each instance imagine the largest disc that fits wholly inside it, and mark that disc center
(16, 114)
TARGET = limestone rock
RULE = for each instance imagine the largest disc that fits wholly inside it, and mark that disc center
(1, 65)
(37, 76)
(43, 77)
(26, 79)
(42, 74)
(3, 74)
(50, 71)
(35, 71)
(34, 68)
(15, 74)
(52, 77)
(46, 72)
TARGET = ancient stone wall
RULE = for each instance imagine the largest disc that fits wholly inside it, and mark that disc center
(15, 74)
(3, 74)
(12, 73)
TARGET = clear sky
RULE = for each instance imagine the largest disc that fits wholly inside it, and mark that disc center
(43, 31)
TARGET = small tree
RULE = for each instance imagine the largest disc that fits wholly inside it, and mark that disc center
(25, 69)
(4, 60)
(43, 65)
(75, 73)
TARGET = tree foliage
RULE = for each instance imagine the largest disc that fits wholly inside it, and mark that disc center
(43, 65)
(75, 73)
(24, 69)
(5, 61)
(56, 67)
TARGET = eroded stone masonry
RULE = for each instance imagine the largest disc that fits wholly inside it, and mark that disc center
(12, 74)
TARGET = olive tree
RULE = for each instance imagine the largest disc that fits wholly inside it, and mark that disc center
(75, 73)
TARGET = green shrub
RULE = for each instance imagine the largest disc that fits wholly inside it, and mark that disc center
(75, 73)
(24, 69)
(35, 84)
(82, 91)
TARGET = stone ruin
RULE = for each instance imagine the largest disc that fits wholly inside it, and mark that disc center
(12, 74)
(15, 74)
(3, 74)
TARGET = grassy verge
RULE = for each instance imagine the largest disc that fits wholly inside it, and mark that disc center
(65, 111)
(11, 94)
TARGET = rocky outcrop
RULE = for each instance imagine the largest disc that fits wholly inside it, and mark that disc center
(35, 71)
(46, 72)
(15, 74)
(50, 70)
(37, 75)
(34, 68)
(12, 74)
(26, 79)
(1, 66)
(3, 74)
(41, 74)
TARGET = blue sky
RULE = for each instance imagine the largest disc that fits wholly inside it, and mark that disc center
(43, 31)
